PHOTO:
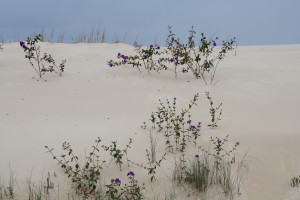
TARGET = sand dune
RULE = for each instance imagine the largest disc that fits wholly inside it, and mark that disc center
(259, 89)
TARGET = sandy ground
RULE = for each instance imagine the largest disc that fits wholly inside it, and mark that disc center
(259, 89)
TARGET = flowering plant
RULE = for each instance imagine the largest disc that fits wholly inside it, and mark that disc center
(130, 191)
(145, 56)
(215, 112)
(85, 177)
(176, 124)
(200, 59)
(41, 64)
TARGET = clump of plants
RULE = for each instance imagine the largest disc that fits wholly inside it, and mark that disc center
(200, 59)
(216, 166)
(148, 57)
(129, 191)
(295, 181)
(84, 175)
(7, 191)
(117, 153)
(41, 63)
(40, 190)
(176, 125)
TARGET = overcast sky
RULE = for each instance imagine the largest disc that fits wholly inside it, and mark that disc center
(252, 22)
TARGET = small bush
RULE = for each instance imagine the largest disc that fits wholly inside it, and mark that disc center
(84, 176)
(176, 124)
(145, 56)
(41, 64)
(201, 59)
(216, 166)
(117, 153)
(130, 191)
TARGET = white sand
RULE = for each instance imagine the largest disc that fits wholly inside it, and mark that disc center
(259, 88)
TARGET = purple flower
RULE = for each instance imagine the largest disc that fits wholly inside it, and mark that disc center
(192, 128)
(119, 55)
(22, 44)
(176, 58)
(117, 180)
(145, 57)
(219, 141)
(151, 46)
(189, 121)
(158, 47)
(131, 173)
(214, 44)
(174, 99)
(110, 63)
(171, 60)
(197, 156)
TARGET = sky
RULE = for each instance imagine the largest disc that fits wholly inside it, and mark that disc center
(252, 22)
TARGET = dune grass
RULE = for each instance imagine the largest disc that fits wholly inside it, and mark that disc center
(7, 190)
(96, 35)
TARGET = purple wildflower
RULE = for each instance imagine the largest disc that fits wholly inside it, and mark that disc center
(131, 173)
(174, 99)
(171, 60)
(176, 58)
(189, 121)
(214, 44)
(219, 141)
(158, 47)
(192, 128)
(117, 180)
(119, 55)
(197, 156)
(145, 57)
(22, 44)
(110, 63)
(151, 46)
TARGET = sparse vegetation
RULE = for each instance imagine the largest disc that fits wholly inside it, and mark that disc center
(202, 59)
(41, 64)
(176, 125)
(7, 190)
(84, 176)
(295, 181)
(218, 165)
(95, 36)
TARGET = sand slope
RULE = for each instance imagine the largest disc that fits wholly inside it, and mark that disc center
(259, 89)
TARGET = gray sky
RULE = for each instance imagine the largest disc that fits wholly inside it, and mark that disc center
(252, 22)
